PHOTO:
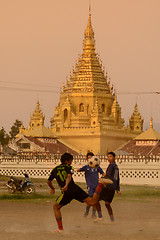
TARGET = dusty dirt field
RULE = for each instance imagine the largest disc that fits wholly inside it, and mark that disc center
(134, 220)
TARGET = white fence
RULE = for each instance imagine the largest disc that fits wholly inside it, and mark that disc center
(139, 170)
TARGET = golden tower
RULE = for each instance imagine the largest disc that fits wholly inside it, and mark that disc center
(37, 118)
(36, 127)
(136, 121)
(88, 115)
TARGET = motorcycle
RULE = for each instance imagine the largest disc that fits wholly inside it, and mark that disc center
(17, 185)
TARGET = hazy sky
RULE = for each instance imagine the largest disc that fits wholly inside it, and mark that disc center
(40, 41)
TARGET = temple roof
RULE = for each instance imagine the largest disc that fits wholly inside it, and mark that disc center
(132, 148)
(56, 147)
(88, 74)
(149, 143)
(40, 131)
(149, 134)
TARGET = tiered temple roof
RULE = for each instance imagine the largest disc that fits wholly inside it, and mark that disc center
(37, 118)
(87, 89)
(88, 74)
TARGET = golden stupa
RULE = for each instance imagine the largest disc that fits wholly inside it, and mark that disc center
(88, 115)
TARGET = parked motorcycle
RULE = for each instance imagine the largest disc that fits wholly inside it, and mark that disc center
(17, 185)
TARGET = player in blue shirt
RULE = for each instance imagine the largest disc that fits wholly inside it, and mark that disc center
(92, 176)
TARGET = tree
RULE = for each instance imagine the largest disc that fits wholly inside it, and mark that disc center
(15, 128)
(4, 137)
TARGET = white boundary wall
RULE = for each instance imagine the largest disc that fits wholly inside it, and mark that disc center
(133, 170)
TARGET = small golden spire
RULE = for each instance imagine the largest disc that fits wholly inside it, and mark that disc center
(115, 103)
(36, 117)
(37, 105)
(136, 108)
(89, 8)
(136, 121)
(151, 122)
(89, 33)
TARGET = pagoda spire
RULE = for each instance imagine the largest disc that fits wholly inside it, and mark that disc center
(37, 118)
(136, 121)
(88, 74)
(89, 40)
(151, 123)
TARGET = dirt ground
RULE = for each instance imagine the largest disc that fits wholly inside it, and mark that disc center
(134, 220)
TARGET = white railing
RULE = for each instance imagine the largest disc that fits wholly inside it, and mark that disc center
(137, 170)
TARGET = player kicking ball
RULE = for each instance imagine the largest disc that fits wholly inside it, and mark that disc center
(63, 175)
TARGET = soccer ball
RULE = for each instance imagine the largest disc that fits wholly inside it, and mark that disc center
(94, 162)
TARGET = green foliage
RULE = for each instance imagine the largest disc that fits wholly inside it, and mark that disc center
(15, 128)
(4, 137)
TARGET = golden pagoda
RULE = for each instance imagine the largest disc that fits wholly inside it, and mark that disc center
(39, 138)
(37, 118)
(36, 126)
(136, 121)
(88, 115)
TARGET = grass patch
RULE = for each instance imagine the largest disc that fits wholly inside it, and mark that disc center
(128, 192)
(141, 193)
(26, 197)
(132, 193)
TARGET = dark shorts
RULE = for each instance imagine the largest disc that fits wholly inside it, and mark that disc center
(91, 191)
(107, 193)
(73, 192)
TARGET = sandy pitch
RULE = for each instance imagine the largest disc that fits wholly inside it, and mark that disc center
(35, 221)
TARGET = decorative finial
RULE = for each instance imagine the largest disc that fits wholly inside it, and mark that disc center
(37, 105)
(136, 107)
(90, 7)
(151, 122)
(89, 33)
